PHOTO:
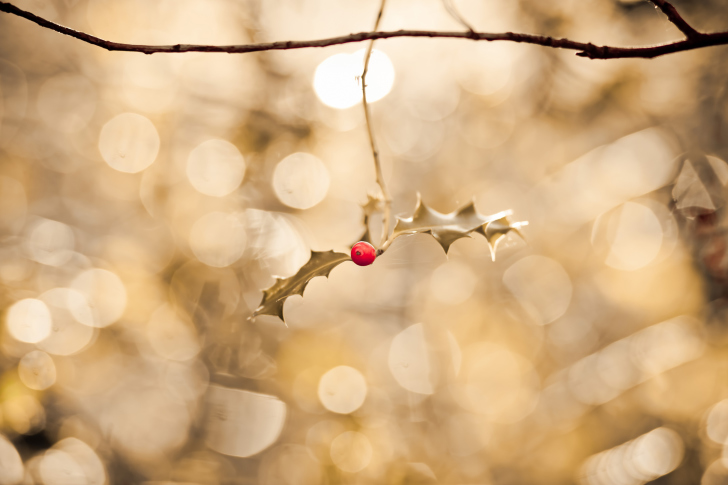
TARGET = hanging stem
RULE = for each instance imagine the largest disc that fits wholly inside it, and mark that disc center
(385, 197)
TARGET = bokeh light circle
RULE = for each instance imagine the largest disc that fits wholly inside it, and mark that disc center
(409, 361)
(716, 425)
(50, 242)
(29, 320)
(637, 240)
(68, 335)
(11, 465)
(104, 299)
(37, 370)
(301, 180)
(129, 142)
(342, 389)
(59, 468)
(242, 423)
(336, 80)
(215, 168)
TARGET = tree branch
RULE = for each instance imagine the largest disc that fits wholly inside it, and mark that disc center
(588, 50)
(674, 16)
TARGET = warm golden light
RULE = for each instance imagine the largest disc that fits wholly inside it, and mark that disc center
(180, 302)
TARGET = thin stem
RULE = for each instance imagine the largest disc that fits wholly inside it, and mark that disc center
(674, 16)
(387, 199)
(583, 49)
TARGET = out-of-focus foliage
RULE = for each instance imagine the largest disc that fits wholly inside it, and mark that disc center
(146, 201)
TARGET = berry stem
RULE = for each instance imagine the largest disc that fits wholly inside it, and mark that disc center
(386, 198)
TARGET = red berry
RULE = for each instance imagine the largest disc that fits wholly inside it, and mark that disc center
(363, 253)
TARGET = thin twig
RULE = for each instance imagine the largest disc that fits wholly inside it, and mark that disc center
(588, 50)
(387, 199)
(455, 13)
(674, 16)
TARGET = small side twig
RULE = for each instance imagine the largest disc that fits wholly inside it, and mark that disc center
(455, 13)
(386, 198)
(674, 16)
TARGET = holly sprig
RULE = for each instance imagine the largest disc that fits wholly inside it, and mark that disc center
(444, 228)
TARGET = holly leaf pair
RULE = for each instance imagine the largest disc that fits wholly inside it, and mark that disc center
(445, 228)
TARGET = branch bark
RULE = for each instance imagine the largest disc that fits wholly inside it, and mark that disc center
(587, 50)
(674, 16)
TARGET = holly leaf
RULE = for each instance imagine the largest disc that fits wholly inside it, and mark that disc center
(448, 228)
(495, 230)
(319, 264)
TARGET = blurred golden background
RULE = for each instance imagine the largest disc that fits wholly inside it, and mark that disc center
(146, 202)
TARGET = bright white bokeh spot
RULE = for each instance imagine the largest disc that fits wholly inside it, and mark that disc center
(336, 80)
(37, 370)
(342, 389)
(67, 102)
(215, 168)
(409, 361)
(452, 282)
(129, 142)
(540, 284)
(68, 335)
(242, 423)
(29, 320)
(637, 240)
(301, 180)
(172, 337)
(218, 238)
(11, 466)
(351, 451)
(50, 242)
(104, 298)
